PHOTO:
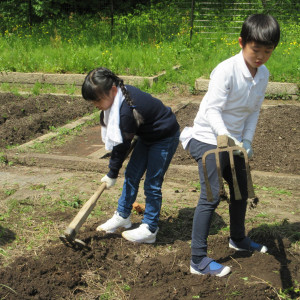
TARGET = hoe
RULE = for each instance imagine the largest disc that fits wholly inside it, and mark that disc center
(68, 238)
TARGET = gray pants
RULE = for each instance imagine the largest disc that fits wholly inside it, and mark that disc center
(205, 209)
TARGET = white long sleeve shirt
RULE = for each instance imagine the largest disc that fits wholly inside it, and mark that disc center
(231, 104)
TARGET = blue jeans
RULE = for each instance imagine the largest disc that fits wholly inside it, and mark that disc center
(154, 158)
(205, 209)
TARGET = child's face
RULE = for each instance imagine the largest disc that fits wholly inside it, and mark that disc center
(255, 54)
(106, 101)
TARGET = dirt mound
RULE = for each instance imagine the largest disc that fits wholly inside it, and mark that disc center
(146, 271)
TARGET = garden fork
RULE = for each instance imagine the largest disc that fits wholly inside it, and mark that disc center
(226, 144)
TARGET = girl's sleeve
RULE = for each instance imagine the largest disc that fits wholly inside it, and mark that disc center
(117, 158)
(119, 152)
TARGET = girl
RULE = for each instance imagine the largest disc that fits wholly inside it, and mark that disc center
(127, 112)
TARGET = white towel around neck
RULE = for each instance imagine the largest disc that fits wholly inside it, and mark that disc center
(111, 134)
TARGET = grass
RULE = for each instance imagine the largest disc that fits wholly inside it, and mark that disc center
(274, 190)
(70, 47)
(40, 88)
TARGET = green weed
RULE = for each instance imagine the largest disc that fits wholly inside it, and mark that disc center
(10, 192)
(36, 90)
(5, 87)
(3, 158)
(71, 89)
(76, 202)
(4, 216)
(197, 186)
(126, 287)
(283, 96)
(275, 191)
(234, 294)
(262, 215)
(293, 291)
(3, 252)
(37, 186)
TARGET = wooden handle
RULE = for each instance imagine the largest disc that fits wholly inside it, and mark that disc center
(84, 212)
(86, 209)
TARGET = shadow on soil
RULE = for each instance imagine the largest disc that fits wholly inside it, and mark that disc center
(278, 238)
(6, 236)
(181, 226)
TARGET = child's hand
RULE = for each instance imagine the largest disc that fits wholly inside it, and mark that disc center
(236, 142)
(248, 147)
(109, 181)
(232, 141)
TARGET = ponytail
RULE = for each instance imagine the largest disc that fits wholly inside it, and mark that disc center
(99, 82)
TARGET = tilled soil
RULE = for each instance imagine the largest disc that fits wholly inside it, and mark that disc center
(23, 118)
(62, 273)
(276, 141)
(159, 271)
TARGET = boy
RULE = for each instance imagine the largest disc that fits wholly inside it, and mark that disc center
(230, 107)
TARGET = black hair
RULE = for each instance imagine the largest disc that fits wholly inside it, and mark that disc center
(99, 82)
(261, 28)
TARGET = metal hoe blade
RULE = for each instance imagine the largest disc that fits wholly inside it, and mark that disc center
(76, 244)
(223, 145)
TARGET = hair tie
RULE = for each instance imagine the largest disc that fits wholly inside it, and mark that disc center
(132, 106)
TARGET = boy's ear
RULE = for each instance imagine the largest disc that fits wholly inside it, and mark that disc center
(240, 42)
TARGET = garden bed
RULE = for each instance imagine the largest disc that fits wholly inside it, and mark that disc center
(23, 118)
(276, 142)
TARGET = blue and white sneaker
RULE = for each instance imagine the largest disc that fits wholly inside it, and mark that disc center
(209, 267)
(247, 245)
